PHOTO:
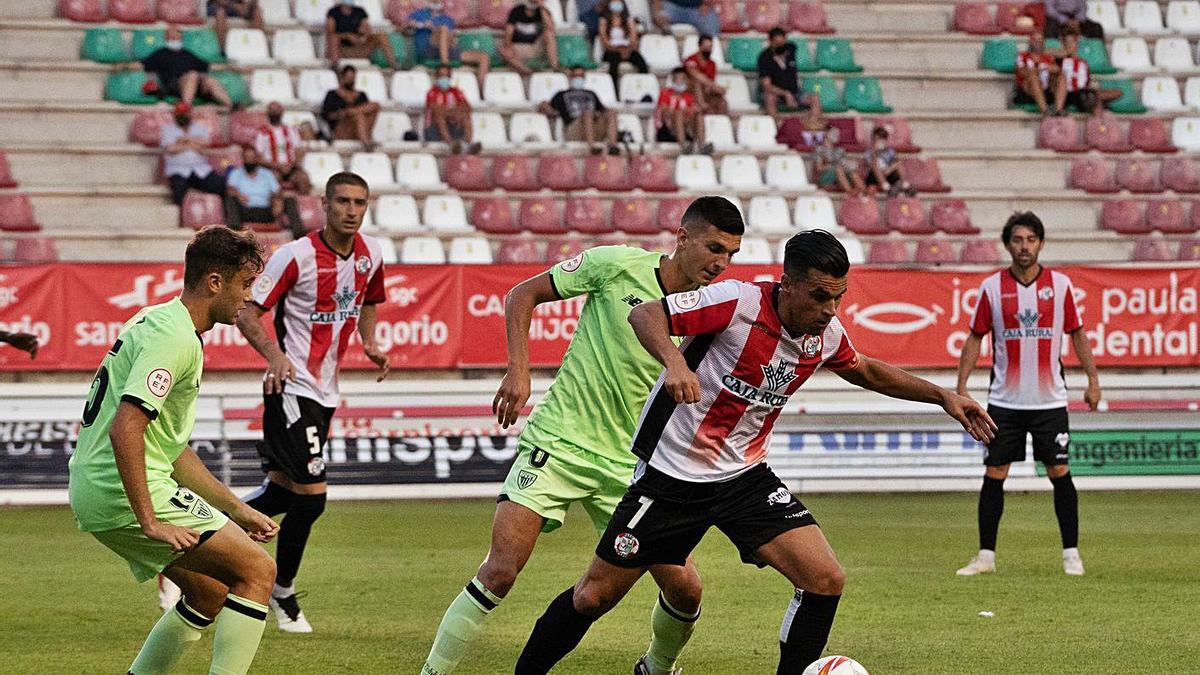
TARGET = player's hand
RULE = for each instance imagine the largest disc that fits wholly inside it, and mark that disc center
(379, 359)
(26, 342)
(180, 538)
(682, 384)
(511, 397)
(279, 369)
(973, 418)
(260, 528)
(1091, 395)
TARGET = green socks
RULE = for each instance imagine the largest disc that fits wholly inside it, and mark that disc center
(167, 640)
(462, 622)
(672, 630)
(239, 630)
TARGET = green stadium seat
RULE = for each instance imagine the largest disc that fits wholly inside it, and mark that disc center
(104, 45)
(481, 41)
(742, 53)
(1053, 44)
(399, 48)
(1093, 51)
(234, 84)
(805, 62)
(204, 44)
(999, 55)
(573, 50)
(835, 54)
(146, 41)
(865, 95)
(1129, 102)
(126, 87)
(826, 88)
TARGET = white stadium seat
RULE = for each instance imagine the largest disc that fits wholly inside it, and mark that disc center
(769, 215)
(504, 89)
(445, 213)
(854, 248)
(1185, 133)
(1191, 93)
(1174, 55)
(1131, 54)
(375, 168)
(293, 47)
(465, 81)
(1161, 93)
(526, 128)
(787, 172)
(313, 85)
(1105, 13)
(321, 165)
(556, 12)
(741, 172)
(754, 251)
(390, 128)
(602, 85)
(691, 45)
(409, 87)
(637, 87)
(660, 51)
(272, 85)
(375, 15)
(422, 251)
(633, 124)
(815, 213)
(543, 86)
(695, 172)
(312, 12)
(737, 92)
(487, 129)
(419, 171)
(276, 12)
(1183, 16)
(718, 130)
(298, 118)
(247, 46)
(470, 250)
(757, 132)
(371, 83)
(1143, 17)
(398, 213)
(387, 251)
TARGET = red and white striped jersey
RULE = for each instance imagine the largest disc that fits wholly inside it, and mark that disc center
(317, 296)
(1027, 324)
(748, 365)
(1077, 73)
(277, 145)
(1029, 61)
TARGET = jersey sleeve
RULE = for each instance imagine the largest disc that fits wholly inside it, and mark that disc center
(981, 323)
(1071, 320)
(277, 278)
(160, 363)
(844, 356)
(589, 271)
(708, 310)
(375, 288)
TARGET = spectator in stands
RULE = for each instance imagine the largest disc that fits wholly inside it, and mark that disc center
(254, 195)
(433, 38)
(883, 166)
(448, 114)
(777, 74)
(589, 16)
(184, 163)
(1037, 75)
(677, 116)
(582, 113)
(182, 73)
(832, 167)
(813, 125)
(528, 35)
(1075, 84)
(702, 73)
(221, 10)
(348, 35)
(281, 149)
(348, 111)
(700, 14)
(1070, 15)
(619, 38)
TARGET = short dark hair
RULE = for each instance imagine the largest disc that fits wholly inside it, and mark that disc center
(679, 71)
(703, 37)
(879, 132)
(1023, 219)
(776, 32)
(219, 249)
(815, 249)
(345, 178)
(346, 68)
(716, 211)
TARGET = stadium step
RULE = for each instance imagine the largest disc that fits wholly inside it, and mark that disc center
(101, 166)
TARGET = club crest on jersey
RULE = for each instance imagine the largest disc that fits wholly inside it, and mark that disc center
(626, 545)
(1045, 293)
(263, 285)
(572, 264)
(525, 479)
(810, 345)
(362, 265)
(687, 300)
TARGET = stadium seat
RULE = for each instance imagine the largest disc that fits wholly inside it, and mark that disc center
(1161, 94)
(397, 213)
(276, 12)
(574, 50)
(741, 172)
(313, 85)
(222, 159)
(557, 15)
(1093, 175)
(737, 92)
(244, 126)
(718, 130)
(540, 215)
(924, 174)
(757, 132)
(1104, 132)
(787, 173)
(390, 128)
(743, 53)
(131, 11)
(494, 13)
(409, 87)
(6, 175)
(493, 215)
(444, 213)
(147, 125)
(564, 248)
(321, 165)
(695, 172)
(1138, 176)
(731, 19)
(234, 85)
(35, 250)
(899, 134)
(1123, 216)
(418, 171)
(652, 173)
(299, 118)
(633, 216)
(207, 117)
(754, 251)
(519, 251)
(421, 251)
(293, 47)
(1178, 174)
(661, 52)
(466, 173)
(1149, 134)
(1129, 103)
(1060, 134)
(504, 89)
(543, 86)
(809, 17)
(371, 83)
(470, 251)
(204, 44)
(586, 215)
(907, 215)
(559, 172)
(638, 88)
(1166, 216)
(1143, 17)
(201, 209)
(1189, 251)
(1183, 16)
(691, 45)
(888, 252)
(16, 213)
(952, 217)
(1000, 55)
(247, 46)
(835, 54)
(762, 15)
(82, 11)
(935, 252)
(769, 215)
(1173, 55)
(514, 173)
(602, 85)
(608, 174)
(272, 85)
(827, 90)
(849, 137)
(980, 252)
(104, 45)
(974, 18)
(126, 87)
(1185, 133)
(1191, 93)
(400, 50)
(631, 123)
(865, 95)
(145, 41)
(815, 213)
(859, 214)
(1007, 14)
(1105, 13)
(312, 13)
(488, 130)
(375, 14)
(1151, 249)
(669, 216)
(466, 81)
(312, 216)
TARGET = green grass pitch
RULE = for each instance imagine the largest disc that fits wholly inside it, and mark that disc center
(379, 575)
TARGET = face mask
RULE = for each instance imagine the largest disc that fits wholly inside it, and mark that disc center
(616, 7)
(881, 146)
(435, 6)
(577, 82)
(781, 50)
(174, 45)
(347, 2)
(832, 136)
(679, 86)
(275, 119)
(443, 83)
(183, 120)
(250, 166)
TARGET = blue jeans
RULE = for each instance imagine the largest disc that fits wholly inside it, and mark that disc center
(707, 23)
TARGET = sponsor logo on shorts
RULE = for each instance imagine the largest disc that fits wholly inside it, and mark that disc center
(572, 264)
(687, 300)
(362, 265)
(1062, 439)
(626, 545)
(780, 496)
(525, 479)
(798, 514)
(158, 382)
(316, 466)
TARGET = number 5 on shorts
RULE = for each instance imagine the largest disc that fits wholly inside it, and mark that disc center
(645, 502)
(314, 443)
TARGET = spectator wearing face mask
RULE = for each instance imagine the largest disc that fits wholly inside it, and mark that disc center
(281, 149)
(677, 117)
(584, 116)
(448, 114)
(348, 111)
(529, 35)
(700, 14)
(433, 38)
(619, 38)
(777, 74)
(253, 195)
(883, 166)
(182, 73)
(832, 167)
(221, 10)
(184, 163)
(348, 35)
(702, 73)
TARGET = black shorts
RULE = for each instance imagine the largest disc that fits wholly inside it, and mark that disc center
(1083, 100)
(665, 135)
(662, 519)
(1049, 428)
(893, 177)
(295, 430)
(1021, 97)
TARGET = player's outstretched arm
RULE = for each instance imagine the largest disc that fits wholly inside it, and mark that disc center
(889, 380)
(1083, 349)
(191, 473)
(366, 330)
(653, 330)
(279, 367)
(26, 342)
(513, 393)
(967, 361)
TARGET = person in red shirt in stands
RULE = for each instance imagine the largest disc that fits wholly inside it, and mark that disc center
(702, 72)
(448, 114)
(677, 116)
(1036, 75)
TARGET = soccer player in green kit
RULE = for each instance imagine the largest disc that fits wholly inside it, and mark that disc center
(575, 445)
(138, 488)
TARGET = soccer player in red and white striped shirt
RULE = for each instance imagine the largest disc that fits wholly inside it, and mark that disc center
(703, 439)
(1027, 309)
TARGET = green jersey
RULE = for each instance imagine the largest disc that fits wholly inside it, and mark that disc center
(606, 374)
(155, 364)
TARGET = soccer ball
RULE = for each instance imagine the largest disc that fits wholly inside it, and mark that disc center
(835, 665)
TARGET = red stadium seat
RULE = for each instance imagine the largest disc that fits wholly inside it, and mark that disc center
(1179, 174)
(1194, 218)
(466, 173)
(1123, 216)
(564, 248)
(147, 126)
(1151, 249)
(980, 252)
(899, 135)
(541, 215)
(16, 213)
(221, 160)
(974, 18)
(1060, 134)
(653, 173)
(762, 15)
(244, 126)
(888, 252)
(731, 20)
(1105, 133)
(610, 174)
(179, 11)
(398, 10)
(1150, 134)
(1007, 14)
(935, 252)
(513, 173)
(493, 215)
(663, 242)
(633, 216)
(1138, 176)
(207, 117)
(84, 11)
(1167, 217)
(35, 250)
(1189, 250)
(6, 176)
(131, 11)
(809, 17)
(924, 174)
(1093, 175)
(586, 215)
(860, 215)
(201, 209)
(952, 217)
(464, 14)
(670, 213)
(907, 216)
(494, 13)
(311, 213)
(850, 137)
(519, 251)
(559, 172)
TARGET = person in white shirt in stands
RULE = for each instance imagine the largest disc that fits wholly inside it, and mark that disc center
(281, 149)
(184, 163)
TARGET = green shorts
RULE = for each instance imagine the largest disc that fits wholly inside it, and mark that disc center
(548, 480)
(147, 557)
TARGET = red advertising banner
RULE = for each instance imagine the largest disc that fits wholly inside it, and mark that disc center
(444, 316)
